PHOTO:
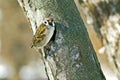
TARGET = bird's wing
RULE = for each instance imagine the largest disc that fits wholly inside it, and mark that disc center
(40, 34)
(41, 31)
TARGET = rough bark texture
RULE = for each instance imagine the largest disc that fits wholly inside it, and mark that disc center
(70, 56)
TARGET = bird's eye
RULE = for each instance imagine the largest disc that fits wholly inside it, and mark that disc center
(45, 22)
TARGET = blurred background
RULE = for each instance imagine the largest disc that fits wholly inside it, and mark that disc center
(102, 20)
(20, 62)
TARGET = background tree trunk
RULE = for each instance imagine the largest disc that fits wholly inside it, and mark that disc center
(104, 17)
(70, 56)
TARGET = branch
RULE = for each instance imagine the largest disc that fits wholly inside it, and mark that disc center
(70, 55)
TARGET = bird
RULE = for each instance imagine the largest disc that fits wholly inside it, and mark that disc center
(43, 34)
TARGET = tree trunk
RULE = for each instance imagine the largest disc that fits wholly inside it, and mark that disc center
(70, 56)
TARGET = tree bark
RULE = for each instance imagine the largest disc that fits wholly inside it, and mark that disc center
(70, 55)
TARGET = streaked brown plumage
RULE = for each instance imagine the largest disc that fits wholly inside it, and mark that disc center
(43, 33)
(39, 35)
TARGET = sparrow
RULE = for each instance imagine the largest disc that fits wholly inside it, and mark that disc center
(43, 33)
